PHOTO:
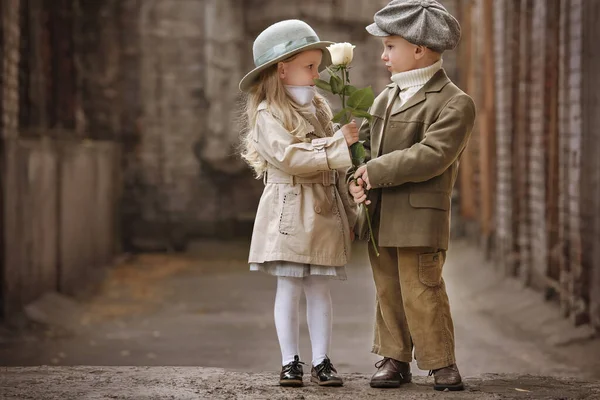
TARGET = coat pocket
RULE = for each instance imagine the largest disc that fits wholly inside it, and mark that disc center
(438, 200)
(430, 268)
(289, 212)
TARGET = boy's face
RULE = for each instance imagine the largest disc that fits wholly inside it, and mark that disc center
(399, 55)
(302, 70)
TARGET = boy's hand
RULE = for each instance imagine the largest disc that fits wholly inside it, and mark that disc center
(358, 192)
(350, 132)
(361, 172)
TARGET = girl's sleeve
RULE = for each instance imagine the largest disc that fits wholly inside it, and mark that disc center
(285, 152)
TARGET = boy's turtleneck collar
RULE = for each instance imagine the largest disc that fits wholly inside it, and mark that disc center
(416, 77)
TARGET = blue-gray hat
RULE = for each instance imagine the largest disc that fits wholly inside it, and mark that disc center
(421, 22)
(280, 41)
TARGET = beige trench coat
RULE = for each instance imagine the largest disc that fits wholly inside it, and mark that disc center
(305, 212)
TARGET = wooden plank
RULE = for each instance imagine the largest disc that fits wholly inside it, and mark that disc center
(591, 183)
(62, 85)
(40, 217)
(467, 192)
(522, 142)
(30, 223)
(551, 130)
(2, 158)
(564, 151)
(77, 209)
(105, 204)
(514, 38)
(12, 258)
(576, 278)
(487, 158)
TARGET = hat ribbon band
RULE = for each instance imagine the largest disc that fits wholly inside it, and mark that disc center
(283, 48)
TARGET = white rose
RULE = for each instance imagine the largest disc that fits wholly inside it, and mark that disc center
(341, 53)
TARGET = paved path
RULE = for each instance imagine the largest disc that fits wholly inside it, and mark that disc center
(205, 309)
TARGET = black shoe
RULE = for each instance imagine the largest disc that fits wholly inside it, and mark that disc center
(291, 374)
(325, 374)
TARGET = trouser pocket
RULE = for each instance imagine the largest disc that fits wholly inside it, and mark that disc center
(430, 268)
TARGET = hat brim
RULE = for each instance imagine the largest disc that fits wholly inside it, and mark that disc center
(250, 78)
(375, 30)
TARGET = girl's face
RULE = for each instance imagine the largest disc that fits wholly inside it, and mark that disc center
(302, 70)
(400, 55)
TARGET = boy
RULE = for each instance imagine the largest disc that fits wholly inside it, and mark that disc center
(421, 125)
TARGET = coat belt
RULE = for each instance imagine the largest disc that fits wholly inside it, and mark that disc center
(326, 178)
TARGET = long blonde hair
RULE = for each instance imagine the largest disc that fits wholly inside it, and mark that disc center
(270, 88)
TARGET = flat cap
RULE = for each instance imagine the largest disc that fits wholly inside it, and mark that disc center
(421, 22)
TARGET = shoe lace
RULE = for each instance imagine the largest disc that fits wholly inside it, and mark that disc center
(295, 366)
(382, 362)
(326, 366)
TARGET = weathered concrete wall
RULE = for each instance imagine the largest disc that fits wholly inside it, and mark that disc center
(59, 217)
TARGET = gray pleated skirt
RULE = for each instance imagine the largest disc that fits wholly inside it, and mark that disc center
(297, 270)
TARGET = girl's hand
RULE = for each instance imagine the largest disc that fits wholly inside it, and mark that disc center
(350, 132)
(352, 236)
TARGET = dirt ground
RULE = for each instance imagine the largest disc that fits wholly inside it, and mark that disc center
(62, 383)
(205, 309)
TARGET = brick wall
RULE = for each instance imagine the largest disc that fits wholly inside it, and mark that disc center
(575, 278)
(506, 57)
(548, 179)
(591, 180)
(537, 149)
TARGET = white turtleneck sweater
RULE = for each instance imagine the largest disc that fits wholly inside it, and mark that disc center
(410, 82)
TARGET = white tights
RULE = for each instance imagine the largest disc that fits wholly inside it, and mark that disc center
(318, 315)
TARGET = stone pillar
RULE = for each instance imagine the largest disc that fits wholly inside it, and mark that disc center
(224, 38)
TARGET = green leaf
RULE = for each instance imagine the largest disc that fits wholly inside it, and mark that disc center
(336, 84)
(349, 89)
(361, 114)
(362, 99)
(358, 154)
(342, 115)
(321, 84)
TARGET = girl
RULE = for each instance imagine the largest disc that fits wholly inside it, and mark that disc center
(302, 227)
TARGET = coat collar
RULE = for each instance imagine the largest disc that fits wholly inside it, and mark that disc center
(319, 125)
(434, 85)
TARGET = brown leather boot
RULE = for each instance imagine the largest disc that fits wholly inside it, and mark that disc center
(447, 378)
(391, 374)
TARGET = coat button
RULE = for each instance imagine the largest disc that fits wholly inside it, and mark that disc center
(318, 209)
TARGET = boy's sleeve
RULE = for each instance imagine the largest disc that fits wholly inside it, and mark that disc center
(441, 146)
(282, 150)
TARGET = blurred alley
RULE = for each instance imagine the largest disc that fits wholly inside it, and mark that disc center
(204, 308)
